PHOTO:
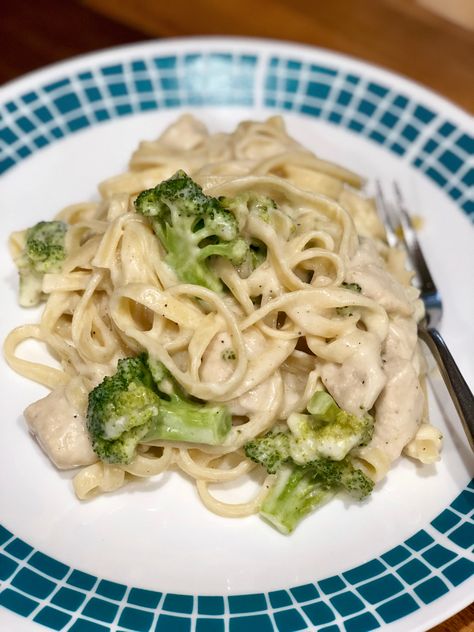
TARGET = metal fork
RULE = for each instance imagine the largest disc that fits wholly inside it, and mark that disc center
(401, 232)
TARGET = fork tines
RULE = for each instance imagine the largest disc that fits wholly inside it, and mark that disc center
(401, 232)
(384, 211)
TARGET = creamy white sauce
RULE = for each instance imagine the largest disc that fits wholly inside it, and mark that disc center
(264, 360)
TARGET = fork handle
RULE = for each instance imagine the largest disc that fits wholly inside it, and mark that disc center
(457, 386)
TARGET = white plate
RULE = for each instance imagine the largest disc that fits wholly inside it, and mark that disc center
(150, 556)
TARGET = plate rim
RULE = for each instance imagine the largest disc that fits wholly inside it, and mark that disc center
(147, 46)
(222, 41)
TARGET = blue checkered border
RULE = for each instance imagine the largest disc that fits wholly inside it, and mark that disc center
(435, 146)
(55, 110)
(415, 573)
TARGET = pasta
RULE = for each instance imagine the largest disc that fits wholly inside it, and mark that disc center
(292, 325)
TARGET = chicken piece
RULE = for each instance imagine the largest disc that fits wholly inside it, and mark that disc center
(399, 408)
(367, 269)
(60, 430)
(401, 339)
(357, 382)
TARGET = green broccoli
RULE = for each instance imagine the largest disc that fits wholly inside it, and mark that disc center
(270, 213)
(256, 255)
(121, 410)
(184, 419)
(328, 431)
(249, 202)
(265, 208)
(260, 205)
(270, 450)
(192, 227)
(300, 489)
(311, 460)
(142, 403)
(43, 252)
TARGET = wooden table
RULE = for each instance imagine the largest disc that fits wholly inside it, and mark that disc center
(397, 34)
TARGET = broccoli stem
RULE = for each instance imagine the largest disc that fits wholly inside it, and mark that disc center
(192, 270)
(294, 494)
(179, 420)
(323, 407)
(30, 288)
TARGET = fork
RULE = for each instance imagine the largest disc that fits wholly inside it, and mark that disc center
(401, 232)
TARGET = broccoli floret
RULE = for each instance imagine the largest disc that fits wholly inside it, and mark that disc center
(121, 410)
(328, 431)
(255, 256)
(142, 403)
(311, 460)
(263, 206)
(271, 450)
(44, 252)
(293, 495)
(299, 489)
(266, 209)
(192, 227)
(270, 213)
(257, 253)
(334, 475)
(249, 202)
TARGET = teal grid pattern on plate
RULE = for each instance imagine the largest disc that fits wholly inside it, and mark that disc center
(436, 146)
(412, 574)
(385, 589)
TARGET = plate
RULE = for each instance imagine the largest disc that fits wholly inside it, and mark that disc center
(150, 557)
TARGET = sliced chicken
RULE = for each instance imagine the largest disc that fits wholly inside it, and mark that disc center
(60, 430)
(368, 270)
(357, 382)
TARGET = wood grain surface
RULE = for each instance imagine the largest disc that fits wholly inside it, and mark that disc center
(400, 35)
